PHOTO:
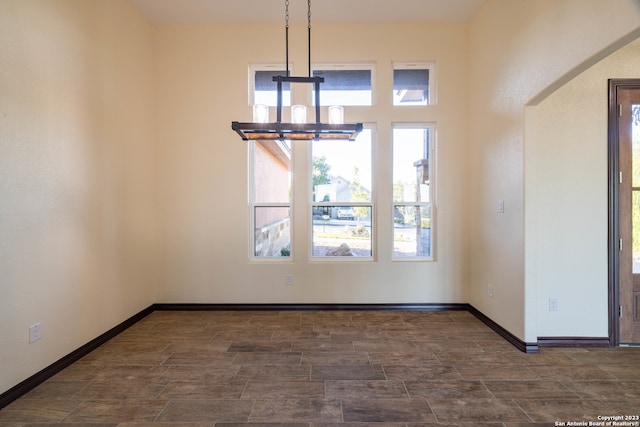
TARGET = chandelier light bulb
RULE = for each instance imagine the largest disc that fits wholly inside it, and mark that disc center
(298, 114)
(260, 113)
(336, 115)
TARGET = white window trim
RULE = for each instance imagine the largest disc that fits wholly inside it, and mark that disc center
(420, 65)
(432, 187)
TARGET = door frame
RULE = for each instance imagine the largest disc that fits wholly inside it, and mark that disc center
(614, 201)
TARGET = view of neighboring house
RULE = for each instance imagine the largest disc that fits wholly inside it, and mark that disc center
(339, 190)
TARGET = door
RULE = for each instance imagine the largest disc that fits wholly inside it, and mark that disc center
(629, 213)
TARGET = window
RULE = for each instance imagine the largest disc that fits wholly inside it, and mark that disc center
(412, 83)
(340, 216)
(263, 89)
(342, 200)
(348, 85)
(413, 148)
(270, 198)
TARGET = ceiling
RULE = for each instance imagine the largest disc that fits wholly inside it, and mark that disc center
(339, 11)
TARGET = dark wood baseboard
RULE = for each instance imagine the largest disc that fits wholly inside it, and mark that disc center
(48, 372)
(574, 342)
(324, 307)
(525, 347)
(519, 344)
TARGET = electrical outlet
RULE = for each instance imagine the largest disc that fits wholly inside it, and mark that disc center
(289, 279)
(490, 290)
(35, 333)
(553, 304)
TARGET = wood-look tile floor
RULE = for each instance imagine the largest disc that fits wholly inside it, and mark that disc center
(319, 368)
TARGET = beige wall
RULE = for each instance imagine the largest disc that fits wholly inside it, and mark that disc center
(202, 86)
(521, 51)
(77, 176)
(567, 191)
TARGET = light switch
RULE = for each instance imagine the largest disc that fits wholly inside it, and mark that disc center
(500, 206)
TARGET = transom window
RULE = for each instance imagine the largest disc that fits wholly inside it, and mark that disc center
(348, 85)
(412, 83)
(263, 89)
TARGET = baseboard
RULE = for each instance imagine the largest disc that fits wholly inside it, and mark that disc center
(48, 372)
(517, 342)
(574, 342)
(324, 307)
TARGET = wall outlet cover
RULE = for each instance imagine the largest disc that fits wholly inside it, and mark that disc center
(35, 333)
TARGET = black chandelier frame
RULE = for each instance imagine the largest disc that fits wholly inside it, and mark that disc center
(278, 130)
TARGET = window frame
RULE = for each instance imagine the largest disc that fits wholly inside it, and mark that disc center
(431, 204)
(417, 65)
(311, 204)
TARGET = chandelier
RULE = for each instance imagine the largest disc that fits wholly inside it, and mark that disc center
(298, 129)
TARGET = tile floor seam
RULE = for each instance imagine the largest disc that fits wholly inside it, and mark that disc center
(246, 384)
(406, 390)
(82, 389)
(80, 402)
(523, 410)
(253, 405)
(457, 370)
(570, 390)
(435, 416)
(163, 389)
(384, 372)
(488, 389)
(233, 359)
(160, 411)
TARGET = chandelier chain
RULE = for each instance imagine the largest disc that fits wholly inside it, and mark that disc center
(286, 13)
(309, 35)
